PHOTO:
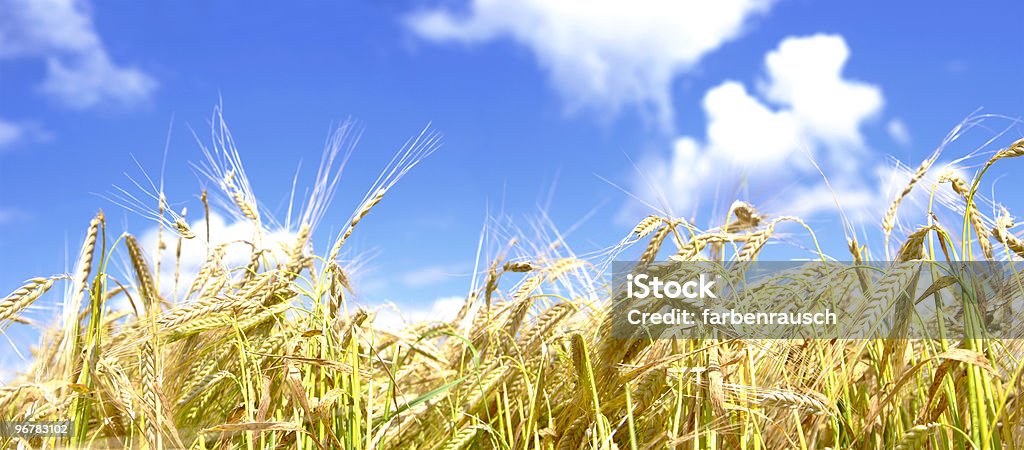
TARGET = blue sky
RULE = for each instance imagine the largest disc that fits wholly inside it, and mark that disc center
(542, 106)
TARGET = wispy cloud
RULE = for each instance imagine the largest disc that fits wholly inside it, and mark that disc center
(429, 275)
(12, 133)
(8, 215)
(79, 71)
(606, 54)
(898, 131)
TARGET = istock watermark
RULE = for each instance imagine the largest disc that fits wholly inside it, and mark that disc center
(817, 300)
(643, 285)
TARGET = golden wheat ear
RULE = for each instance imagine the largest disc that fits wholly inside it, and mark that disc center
(17, 301)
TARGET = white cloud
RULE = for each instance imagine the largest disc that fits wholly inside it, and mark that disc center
(602, 54)
(898, 131)
(392, 318)
(745, 130)
(805, 111)
(92, 78)
(80, 72)
(805, 77)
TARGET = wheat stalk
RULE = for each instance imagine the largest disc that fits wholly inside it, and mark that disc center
(889, 219)
(21, 298)
(959, 186)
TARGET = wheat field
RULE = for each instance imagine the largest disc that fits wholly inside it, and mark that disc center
(275, 353)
